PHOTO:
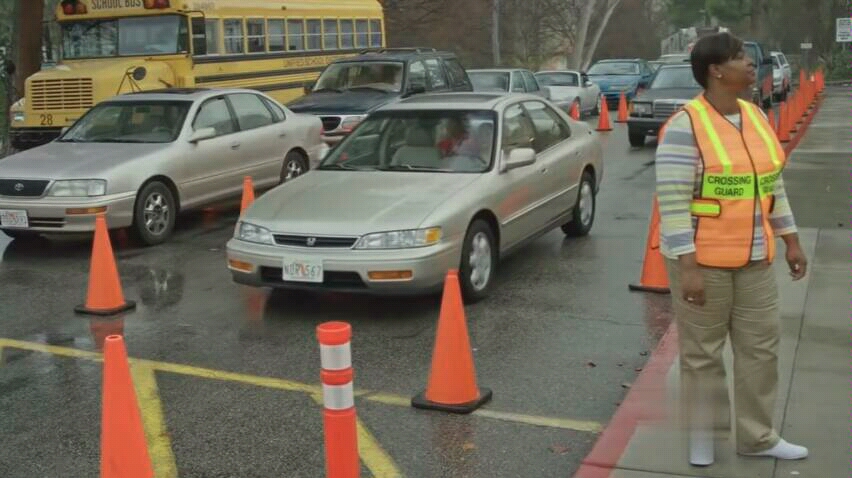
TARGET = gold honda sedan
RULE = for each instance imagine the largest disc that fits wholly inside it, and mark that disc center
(431, 183)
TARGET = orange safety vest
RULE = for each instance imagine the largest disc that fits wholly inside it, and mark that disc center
(740, 167)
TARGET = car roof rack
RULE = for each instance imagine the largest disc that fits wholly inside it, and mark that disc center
(399, 50)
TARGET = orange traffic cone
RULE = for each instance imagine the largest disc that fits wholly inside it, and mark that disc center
(248, 193)
(770, 115)
(603, 117)
(105, 296)
(654, 278)
(124, 449)
(622, 109)
(575, 111)
(784, 123)
(452, 379)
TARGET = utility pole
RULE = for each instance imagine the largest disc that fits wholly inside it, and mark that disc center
(495, 32)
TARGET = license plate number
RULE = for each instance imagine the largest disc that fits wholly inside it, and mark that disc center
(14, 219)
(299, 270)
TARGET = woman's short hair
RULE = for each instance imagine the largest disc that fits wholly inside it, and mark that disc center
(713, 49)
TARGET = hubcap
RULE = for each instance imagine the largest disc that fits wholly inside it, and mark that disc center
(480, 261)
(157, 214)
(587, 203)
(294, 169)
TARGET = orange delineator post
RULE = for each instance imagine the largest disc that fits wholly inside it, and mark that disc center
(770, 115)
(603, 117)
(654, 277)
(339, 418)
(452, 383)
(783, 123)
(124, 448)
(104, 296)
(622, 109)
(248, 193)
(575, 111)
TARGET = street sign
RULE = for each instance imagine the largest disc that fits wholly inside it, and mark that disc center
(806, 46)
(844, 30)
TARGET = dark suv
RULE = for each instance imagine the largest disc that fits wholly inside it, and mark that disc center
(761, 93)
(350, 88)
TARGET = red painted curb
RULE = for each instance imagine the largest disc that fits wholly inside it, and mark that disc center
(648, 394)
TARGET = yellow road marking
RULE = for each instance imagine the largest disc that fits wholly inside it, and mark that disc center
(159, 443)
(289, 385)
(380, 464)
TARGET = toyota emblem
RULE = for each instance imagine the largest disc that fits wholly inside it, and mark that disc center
(311, 242)
(19, 187)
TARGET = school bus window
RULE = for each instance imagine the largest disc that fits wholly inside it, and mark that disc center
(347, 34)
(375, 33)
(314, 35)
(362, 32)
(211, 26)
(233, 35)
(276, 34)
(256, 35)
(199, 37)
(296, 35)
(330, 39)
(131, 36)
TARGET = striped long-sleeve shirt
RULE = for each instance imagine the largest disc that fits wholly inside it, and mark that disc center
(679, 169)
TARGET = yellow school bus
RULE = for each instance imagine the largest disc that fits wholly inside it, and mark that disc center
(109, 47)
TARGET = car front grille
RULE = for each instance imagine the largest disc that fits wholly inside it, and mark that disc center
(60, 94)
(665, 109)
(331, 279)
(314, 241)
(23, 187)
(330, 123)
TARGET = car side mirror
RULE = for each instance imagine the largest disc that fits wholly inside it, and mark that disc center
(589, 84)
(518, 158)
(308, 87)
(64, 130)
(202, 134)
(546, 91)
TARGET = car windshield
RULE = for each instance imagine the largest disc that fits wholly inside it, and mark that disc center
(674, 78)
(132, 36)
(489, 80)
(615, 68)
(445, 141)
(557, 79)
(376, 75)
(776, 62)
(130, 122)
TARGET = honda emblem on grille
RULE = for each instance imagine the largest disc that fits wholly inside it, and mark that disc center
(311, 242)
(19, 187)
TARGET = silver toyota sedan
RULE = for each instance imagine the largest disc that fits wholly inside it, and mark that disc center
(141, 158)
(431, 183)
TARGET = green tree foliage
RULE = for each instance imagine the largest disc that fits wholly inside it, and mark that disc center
(685, 13)
(729, 11)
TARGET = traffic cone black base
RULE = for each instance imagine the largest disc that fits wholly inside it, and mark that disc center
(82, 309)
(642, 288)
(420, 401)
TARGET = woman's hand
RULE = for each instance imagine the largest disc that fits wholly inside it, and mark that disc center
(691, 280)
(797, 261)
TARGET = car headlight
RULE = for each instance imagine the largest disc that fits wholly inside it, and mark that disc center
(251, 233)
(642, 108)
(400, 239)
(78, 188)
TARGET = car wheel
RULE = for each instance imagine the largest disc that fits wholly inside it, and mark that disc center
(154, 214)
(637, 140)
(295, 165)
(478, 261)
(583, 215)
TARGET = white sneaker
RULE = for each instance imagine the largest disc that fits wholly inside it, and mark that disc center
(701, 447)
(783, 451)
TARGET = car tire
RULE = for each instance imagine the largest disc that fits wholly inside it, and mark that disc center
(295, 165)
(154, 213)
(583, 215)
(637, 140)
(479, 248)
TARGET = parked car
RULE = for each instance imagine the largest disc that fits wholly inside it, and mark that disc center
(509, 80)
(655, 65)
(674, 86)
(782, 76)
(761, 93)
(431, 183)
(615, 77)
(673, 58)
(142, 158)
(568, 87)
(350, 88)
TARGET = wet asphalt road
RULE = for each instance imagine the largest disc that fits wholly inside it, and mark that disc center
(560, 338)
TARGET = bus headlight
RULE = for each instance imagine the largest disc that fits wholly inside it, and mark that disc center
(18, 117)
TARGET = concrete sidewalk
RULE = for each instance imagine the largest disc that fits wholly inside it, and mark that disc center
(644, 441)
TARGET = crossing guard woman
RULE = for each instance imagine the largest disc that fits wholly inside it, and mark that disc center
(722, 203)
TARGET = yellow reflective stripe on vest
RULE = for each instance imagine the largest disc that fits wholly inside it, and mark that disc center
(770, 143)
(728, 186)
(721, 153)
(698, 208)
(766, 183)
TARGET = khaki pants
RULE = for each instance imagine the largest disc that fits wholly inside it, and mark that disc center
(742, 303)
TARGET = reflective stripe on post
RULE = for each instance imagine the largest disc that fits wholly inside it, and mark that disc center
(339, 419)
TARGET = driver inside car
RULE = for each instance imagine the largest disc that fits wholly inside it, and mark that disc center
(458, 140)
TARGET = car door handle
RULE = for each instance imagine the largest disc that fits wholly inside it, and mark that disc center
(235, 145)
(543, 170)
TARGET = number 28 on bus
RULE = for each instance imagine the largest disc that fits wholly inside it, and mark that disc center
(112, 47)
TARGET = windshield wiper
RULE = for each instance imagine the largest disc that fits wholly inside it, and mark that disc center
(409, 167)
(118, 140)
(374, 88)
(342, 166)
(336, 90)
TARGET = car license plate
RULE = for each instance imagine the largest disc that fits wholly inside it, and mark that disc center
(299, 270)
(14, 219)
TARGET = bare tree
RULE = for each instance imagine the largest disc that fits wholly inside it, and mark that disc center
(28, 31)
(584, 51)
